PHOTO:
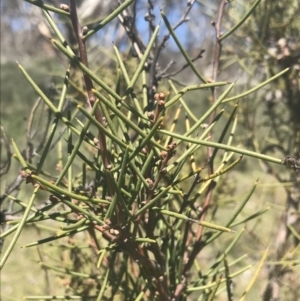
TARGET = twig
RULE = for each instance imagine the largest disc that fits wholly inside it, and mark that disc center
(163, 72)
(150, 17)
(153, 78)
(128, 23)
(197, 246)
(88, 81)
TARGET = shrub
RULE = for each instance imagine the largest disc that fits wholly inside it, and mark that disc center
(143, 184)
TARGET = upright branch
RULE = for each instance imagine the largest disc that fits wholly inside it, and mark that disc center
(82, 49)
(79, 32)
(217, 50)
(216, 61)
(218, 44)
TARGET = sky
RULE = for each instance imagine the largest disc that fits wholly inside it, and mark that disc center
(184, 32)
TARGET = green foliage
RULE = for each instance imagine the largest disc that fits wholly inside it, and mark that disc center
(136, 192)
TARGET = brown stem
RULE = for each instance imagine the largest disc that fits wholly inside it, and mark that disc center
(152, 268)
(89, 83)
(216, 61)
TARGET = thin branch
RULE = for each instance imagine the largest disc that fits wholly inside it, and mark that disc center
(217, 51)
(127, 22)
(150, 17)
(87, 79)
(153, 79)
(168, 75)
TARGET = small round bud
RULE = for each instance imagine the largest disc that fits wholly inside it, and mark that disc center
(161, 103)
(23, 174)
(163, 154)
(150, 115)
(116, 232)
(84, 30)
(65, 7)
(199, 209)
(162, 96)
(150, 183)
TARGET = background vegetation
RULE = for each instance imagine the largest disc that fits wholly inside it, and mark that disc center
(254, 45)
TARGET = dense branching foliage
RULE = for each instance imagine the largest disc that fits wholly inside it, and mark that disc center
(135, 173)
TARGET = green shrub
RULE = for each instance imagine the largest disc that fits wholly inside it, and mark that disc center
(143, 184)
